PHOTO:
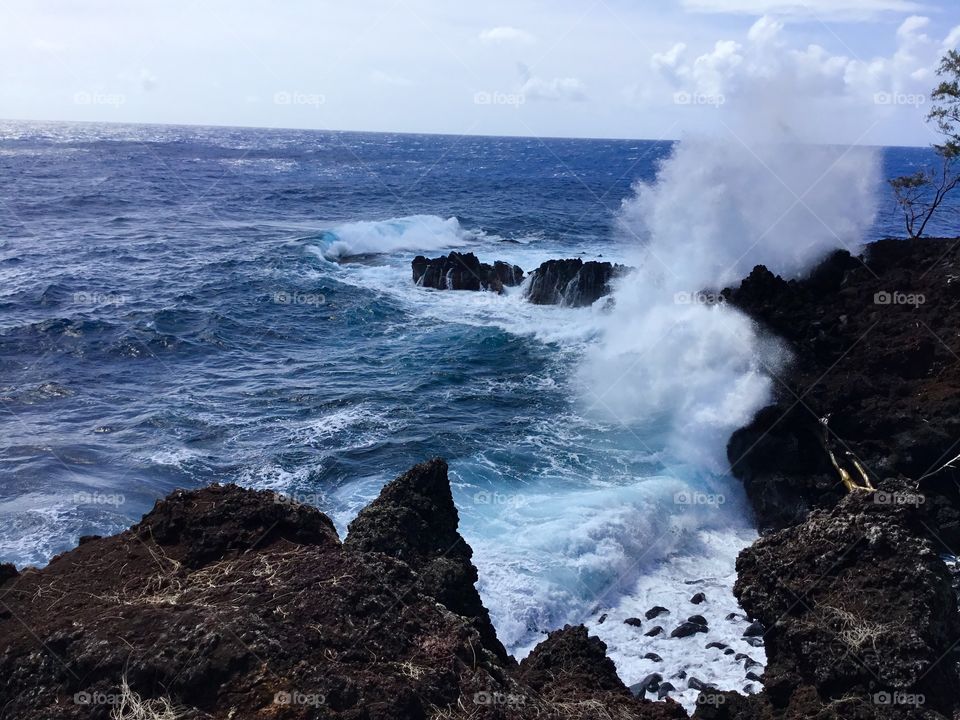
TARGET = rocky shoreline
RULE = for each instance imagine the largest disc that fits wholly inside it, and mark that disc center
(232, 603)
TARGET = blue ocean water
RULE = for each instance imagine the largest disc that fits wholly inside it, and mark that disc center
(176, 310)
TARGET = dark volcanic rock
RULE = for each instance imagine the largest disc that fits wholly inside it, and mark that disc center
(570, 666)
(656, 611)
(225, 603)
(572, 282)
(687, 629)
(415, 520)
(698, 598)
(857, 606)
(634, 622)
(464, 271)
(654, 631)
(875, 350)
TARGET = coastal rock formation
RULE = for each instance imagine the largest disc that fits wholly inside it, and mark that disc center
(464, 271)
(227, 603)
(571, 667)
(415, 520)
(860, 614)
(572, 282)
(875, 354)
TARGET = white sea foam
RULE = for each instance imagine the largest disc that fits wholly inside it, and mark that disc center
(416, 233)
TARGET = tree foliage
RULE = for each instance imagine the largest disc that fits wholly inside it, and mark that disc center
(921, 195)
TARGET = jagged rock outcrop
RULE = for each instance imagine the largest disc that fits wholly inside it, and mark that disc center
(415, 520)
(876, 351)
(860, 616)
(234, 604)
(464, 271)
(570, 667)
(571, 282)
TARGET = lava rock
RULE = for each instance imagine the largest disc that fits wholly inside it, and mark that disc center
(653, 656)
(633, 622)
(654, 631)
(651, 683)
(572, 282)
(464, 271)
(699, 619)
(656, 611)
(687, 629)
(755, 629)
(698, 598)
(714, 644)
(665, 689)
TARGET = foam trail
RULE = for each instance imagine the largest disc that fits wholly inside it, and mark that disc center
(413, 233)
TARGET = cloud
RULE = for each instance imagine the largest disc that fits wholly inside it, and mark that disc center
(568, 89)
(813, 9)
(506, 34)
(734, 68)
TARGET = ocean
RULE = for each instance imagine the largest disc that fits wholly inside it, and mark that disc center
(182, 306)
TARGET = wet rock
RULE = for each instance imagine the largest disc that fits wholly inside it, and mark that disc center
(653, 656)
(718, 645)
(654, 631)
(698, 598)
(572, 282)
(754, 641)
(656, 611)
(665, 689)
(729, 651)
(753, 676)
(633, 622)
(733, 616)
(696, 684)
(650, 684)
(602, 619)
(687, 629)
(7, 572)
(699, 619)
(464, 271)
(755, 629)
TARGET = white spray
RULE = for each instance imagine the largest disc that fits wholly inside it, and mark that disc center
(669, 362)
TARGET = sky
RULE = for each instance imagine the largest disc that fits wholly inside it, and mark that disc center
(855, 71)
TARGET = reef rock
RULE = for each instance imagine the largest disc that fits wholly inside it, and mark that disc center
(464, 271)
(572, 282)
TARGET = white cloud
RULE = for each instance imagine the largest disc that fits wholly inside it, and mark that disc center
(506, 34)
(569, 89)
(820, 9)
